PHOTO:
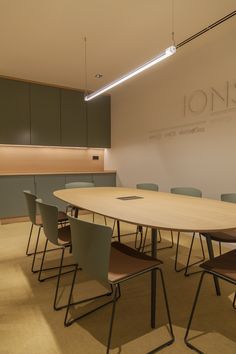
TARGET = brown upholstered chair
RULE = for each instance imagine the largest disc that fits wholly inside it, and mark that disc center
(223, 267)
(109, 263)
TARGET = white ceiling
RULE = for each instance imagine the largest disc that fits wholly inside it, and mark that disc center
(43, 40)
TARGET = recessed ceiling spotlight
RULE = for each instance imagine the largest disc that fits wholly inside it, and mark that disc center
(98, 76)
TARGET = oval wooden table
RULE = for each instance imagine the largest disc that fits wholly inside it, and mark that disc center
(156, 210)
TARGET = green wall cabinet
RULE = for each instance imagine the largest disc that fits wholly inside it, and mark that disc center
(73, 119)
(45, 115)
(11, 187)
(46, 185)
(84, 177)
(99, 122)
(104, 179)
(14, 112)
(13, 202)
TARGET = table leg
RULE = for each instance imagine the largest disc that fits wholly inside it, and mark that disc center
(118, 230)
(153, 280)
(76, 212)
(211, 255)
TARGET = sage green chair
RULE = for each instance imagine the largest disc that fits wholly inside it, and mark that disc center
(191, 192)
(222, 267)
(75, 210)
(109, 263)
(59, 236)
(36, 220)
(150, 187)
(224, 236)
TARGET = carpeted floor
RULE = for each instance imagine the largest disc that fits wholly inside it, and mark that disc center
(29, 325)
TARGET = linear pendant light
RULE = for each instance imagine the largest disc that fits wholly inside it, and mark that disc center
(165, 54)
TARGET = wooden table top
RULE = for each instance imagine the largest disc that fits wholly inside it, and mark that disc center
(154, 209)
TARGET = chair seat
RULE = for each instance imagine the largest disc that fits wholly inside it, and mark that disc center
(64, 233)
(227, 236)
(61, 218)
(224, 265)
(126, 262)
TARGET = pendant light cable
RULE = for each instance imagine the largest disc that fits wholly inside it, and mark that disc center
(85, 66)
(173, 24)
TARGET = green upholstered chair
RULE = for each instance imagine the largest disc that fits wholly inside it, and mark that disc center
(191, 192)
(71, 208)
(150, 187)
(109, 263)
(36, 220)
(223, 267)
(75, 210)
(59, 236)
(224, 236)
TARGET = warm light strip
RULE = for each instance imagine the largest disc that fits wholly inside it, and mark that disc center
(167, 53)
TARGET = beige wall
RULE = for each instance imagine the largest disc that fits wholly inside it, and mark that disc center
(154, 140)
(19, 159)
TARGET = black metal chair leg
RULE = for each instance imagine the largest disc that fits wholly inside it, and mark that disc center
(201, 260)
(185, 269)
(165, 247)
(202, 247)
(35, 251)
(220, 248)
(234, 301)
(211, 256)
(144, 241)
(28, 244)
(191, 317)
(42, 261)
(139, 230)
(58, 281)
(176, 255)
(66, 323)
(112, 319)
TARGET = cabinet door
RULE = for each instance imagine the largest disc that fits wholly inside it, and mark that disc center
(73, 119)
(46, 185)
(13, 202)
(99, 122)
(104, 179)
(14, 112)
(79, 178)
(45, 115)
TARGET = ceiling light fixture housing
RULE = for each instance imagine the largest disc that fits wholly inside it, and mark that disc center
(163, 55)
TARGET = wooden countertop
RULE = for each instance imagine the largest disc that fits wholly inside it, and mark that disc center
(54, 173)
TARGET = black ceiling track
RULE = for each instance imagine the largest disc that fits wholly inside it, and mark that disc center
(206, 29)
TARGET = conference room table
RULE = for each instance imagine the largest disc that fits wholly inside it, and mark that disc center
(157, 210)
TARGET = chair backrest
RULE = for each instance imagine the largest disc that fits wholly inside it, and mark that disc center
(49, 215)
(148, 186)
(79, 185)
(91, 247)
(193, 192)
(229, 197)
(31, 205)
